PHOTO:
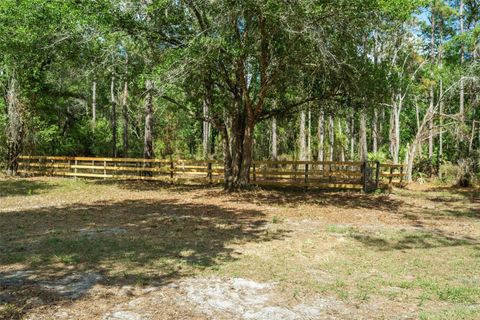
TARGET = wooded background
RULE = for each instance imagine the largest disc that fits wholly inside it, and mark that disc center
(318, 80)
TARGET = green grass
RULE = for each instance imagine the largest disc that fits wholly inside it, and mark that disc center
(457, 313)
(338, 229)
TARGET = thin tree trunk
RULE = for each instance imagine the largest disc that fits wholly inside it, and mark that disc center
(302, 137)
(352, 137)
(94, 103)
(342, 147)
(331, 136)
(375, 131)
(417, 112)
(440, 62)
(114, 118)
(411, 157)
(363, 138)
(148, 142)
(321, 135)
(430, 127)
(395, 131)
(274, 148)
(462, 60)
(472, 136)
(207, 127)
(380, 127)
(206, 134)
(125, 118)
(431, 93)
(309, 136)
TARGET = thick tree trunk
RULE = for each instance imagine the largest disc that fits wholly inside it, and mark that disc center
(14, 127)
(363, 138)
(331, 137)
(274, 148)
(321, 136)
(302, 137)
(237, 148)
(148, 142)
(114, 118)
(125, 118)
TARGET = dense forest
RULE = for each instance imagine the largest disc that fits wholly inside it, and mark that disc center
(388, 80)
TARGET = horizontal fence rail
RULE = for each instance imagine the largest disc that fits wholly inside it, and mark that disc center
(327, 174)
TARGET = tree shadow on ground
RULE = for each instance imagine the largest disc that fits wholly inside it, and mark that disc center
(344, 200)
(138, 241)
(281, 196)
(421, 239)
(22, 187)
(453, 193)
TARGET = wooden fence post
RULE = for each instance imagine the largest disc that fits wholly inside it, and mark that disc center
(104, 170)
(377, 174)
(75, 170)
(364, 176)
(391, 175)
(171, 171)
(401, 174)
(306, 176)
(209, 172)
(330, 174)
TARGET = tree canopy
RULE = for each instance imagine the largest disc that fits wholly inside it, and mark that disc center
(381, 79)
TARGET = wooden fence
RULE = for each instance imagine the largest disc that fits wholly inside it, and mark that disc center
(312, 174)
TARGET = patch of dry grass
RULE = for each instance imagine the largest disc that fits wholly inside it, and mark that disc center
(415, 252)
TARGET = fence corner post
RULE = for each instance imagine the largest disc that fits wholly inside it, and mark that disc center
(209, 172)
(401, 175)
(377, 174)
(364, 176)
